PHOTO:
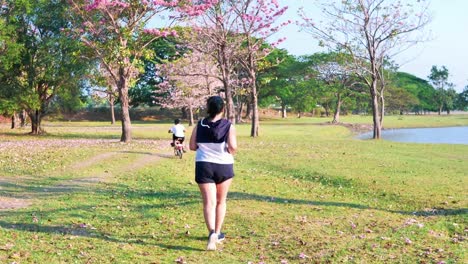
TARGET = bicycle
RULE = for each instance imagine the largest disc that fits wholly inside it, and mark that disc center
(178, 148)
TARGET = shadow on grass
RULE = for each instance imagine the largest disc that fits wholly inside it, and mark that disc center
(37, 189)
(61, 230)
(271, 199)
(83, 231)
(433, 212)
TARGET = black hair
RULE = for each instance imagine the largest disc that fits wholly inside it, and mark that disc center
(214, 105)
(176, 121)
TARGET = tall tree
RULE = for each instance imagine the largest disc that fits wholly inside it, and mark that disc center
(339, 80)
(257, 19)
(10, 55)
(117, 33)
(50, 62)
(372, 32)
(450, 99)
(215, 34)
(281, 72)
(445, 94)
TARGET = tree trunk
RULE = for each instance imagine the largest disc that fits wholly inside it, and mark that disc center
(112, 108)
(255, 117)
(327, 110)
(22, 117)
(336, 116)
(35, 117)
(191, 115)
(255, 113)
(230, 112)
(440, 110)
(382, 109)
(283, 111)
(375, 110)
(248, 112)
(239, 112)
(14, 120)
(124, 102)
(224, 64)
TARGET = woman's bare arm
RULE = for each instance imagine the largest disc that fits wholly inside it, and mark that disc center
(193, 139)
(232, 140)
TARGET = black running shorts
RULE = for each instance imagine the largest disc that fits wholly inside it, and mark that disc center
(207, 172)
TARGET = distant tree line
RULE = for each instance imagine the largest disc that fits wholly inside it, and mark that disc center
(321, 80)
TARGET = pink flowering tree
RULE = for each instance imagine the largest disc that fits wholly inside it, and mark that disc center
(257, 21)
(234, 34)
(372, 32)
(215, 34)
(189, 81)
(117, 33)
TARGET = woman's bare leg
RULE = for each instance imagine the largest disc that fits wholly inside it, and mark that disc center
(208, 192)
(221, 194)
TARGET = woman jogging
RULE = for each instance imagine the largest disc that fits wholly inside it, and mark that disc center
(214, 139)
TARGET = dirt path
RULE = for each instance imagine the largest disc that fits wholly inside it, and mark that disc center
(93, 160)
(13, 203)
(146, 159)
(27, 198)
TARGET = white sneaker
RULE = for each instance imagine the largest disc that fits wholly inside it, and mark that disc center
(212, 239)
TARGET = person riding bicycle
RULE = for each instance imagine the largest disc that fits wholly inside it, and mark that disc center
(178, 133)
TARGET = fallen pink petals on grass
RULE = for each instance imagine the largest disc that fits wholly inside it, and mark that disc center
(180, 260)
(303, 256)
(7, 246)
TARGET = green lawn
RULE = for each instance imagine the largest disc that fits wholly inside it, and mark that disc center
(303, 193)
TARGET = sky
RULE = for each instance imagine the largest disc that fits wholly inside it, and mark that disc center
(448, 45)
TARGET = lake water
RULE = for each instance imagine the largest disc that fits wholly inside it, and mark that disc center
(441, 135)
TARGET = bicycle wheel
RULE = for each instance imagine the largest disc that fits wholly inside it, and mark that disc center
(179, 153)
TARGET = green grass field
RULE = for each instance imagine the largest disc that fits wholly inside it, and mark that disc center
(303, 193)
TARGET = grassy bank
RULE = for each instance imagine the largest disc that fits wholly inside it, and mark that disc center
(303, 193)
